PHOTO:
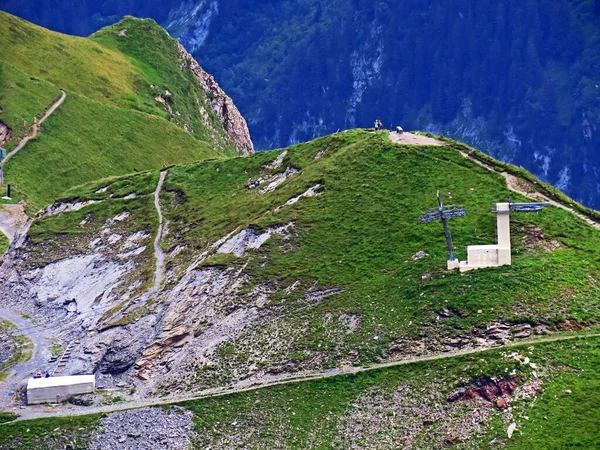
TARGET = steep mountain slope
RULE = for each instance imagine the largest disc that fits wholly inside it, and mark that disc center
(135, 101)
(518, 80)
(319, 267)
(318, 270)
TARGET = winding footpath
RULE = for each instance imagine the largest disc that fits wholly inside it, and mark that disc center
(512, 182)
(36, 126)
(12, 217)
(246, 386)
(159, 255)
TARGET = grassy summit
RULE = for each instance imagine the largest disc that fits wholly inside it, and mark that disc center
(129, 105)
(339, 287)
(356, 240)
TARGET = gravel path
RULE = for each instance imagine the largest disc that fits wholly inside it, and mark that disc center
(37, 411)
(159, 273)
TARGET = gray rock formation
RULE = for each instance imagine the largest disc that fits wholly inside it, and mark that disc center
(220, 103)
(5, 133)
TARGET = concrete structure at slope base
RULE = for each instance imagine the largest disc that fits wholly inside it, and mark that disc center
(58, 389)
(480, 256)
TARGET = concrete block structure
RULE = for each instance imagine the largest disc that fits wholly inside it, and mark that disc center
(479, 256)
(58, 389)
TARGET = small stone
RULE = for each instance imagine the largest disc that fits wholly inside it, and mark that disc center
(501, 403)
(567, 391)
(511, 429)
(419, 255)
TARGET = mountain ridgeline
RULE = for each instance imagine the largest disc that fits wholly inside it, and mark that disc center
(517, 79)
(135, 100)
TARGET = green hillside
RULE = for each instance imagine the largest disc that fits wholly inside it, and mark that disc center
(358, 238)
(341, 286)
(111, 112)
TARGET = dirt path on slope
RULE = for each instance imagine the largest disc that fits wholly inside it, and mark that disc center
(159, 272)
(36, 126)
(413, 139)
(526, 189)
(12, 217)
(34, 412)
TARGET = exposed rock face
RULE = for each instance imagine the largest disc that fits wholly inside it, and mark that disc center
(5, 133)
(221, 104)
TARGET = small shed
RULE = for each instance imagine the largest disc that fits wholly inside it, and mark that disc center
(58, 389)
(399, 129)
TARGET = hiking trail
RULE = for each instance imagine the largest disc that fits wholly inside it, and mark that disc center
(36, 126)
(159, 272)
(67, 410)
(526, 189)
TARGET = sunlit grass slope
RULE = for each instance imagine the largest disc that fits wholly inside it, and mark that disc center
(358, 237)
(360, 234)
(112, 121)
(73, 149)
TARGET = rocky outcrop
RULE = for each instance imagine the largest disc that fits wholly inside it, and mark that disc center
(5, 133)
(220, 104)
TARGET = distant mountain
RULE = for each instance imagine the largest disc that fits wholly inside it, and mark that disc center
(518, 79)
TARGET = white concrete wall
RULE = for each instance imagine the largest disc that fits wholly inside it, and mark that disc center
(58, 389)
(479, 256)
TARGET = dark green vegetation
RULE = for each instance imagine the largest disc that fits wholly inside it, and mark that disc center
(555, 405)
(518, 79)
(111, 122)
(50, 433)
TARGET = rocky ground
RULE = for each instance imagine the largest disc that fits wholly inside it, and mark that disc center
(147, 428)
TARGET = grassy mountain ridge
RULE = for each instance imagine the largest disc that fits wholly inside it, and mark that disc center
(317, 269)
(131, 105)
(353, 244)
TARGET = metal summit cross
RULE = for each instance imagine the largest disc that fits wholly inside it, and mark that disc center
(444, 213)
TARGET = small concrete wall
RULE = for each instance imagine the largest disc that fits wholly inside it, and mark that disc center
(482, 255)
(58, 389)
(479, 256)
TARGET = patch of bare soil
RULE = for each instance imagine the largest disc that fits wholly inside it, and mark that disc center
(413, 139)
(534, 239)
